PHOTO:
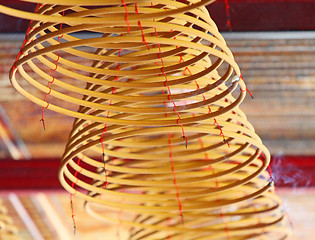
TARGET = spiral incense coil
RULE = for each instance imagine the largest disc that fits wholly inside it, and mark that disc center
(88, 67)
(159, 142)
(7, 230)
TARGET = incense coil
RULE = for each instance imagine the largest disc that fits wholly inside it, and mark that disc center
(100, 77)
(7, 228)
(230, 188)
(176, 155)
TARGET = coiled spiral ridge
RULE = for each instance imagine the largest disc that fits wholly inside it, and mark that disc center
(159, 142)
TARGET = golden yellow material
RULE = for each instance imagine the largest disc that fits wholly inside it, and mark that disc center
(7, 229)
(159, 142)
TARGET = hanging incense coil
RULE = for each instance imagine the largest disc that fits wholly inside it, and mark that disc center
(7, 228)
(159, 143)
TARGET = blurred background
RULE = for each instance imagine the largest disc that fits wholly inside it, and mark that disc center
(273, 42)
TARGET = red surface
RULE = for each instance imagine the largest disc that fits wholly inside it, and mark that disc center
(265, 15)
(294, 171)
(246, 15)
(289, 171)
(33, 174)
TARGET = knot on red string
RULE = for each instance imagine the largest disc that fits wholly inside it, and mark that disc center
(43, 122)
(186, 140)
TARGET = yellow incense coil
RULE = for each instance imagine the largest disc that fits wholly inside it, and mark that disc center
(152, 183)
(159, 142)
(88, 67)
(7, 228)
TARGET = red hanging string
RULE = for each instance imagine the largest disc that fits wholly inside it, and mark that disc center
(268, 167)
(241, 77)
(169, 135)
(141, 29)
(25, 39)
(174, 179)
(126, 15)
(226, 228)
(53, 78)
(228, 15)
(71, 195)
(104, 130)
(228, 21)
(270, 173)
(169, 91)
(204, 99)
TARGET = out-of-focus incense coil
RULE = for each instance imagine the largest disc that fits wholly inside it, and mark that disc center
(7, 229)
(159, 143)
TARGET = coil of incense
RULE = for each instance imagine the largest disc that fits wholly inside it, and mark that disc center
(159, 142)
